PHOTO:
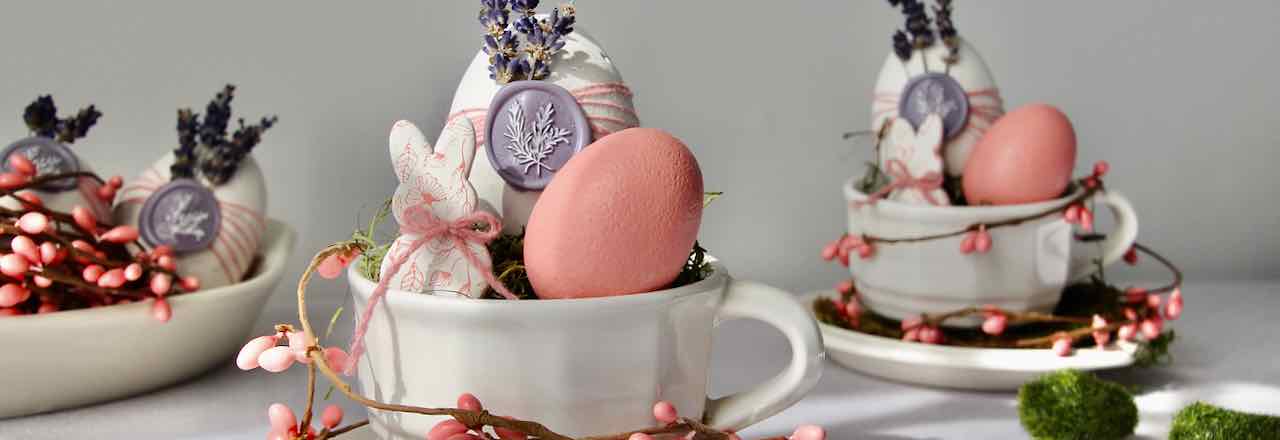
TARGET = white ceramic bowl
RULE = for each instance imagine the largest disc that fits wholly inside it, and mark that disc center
(80, 357)
(987, 369)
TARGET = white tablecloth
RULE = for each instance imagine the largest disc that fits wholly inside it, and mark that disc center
(1228, 353)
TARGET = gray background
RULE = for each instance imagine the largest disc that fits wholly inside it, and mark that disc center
(1178, 96)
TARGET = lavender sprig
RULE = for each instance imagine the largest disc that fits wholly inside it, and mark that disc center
(41, 117)
(947, 29)
(204, 147)
(917, 25)
(542, 38)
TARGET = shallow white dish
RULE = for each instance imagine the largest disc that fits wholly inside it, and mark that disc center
(989, 369)
(80, 357)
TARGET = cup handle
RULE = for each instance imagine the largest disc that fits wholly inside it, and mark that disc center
(749, 299)
(1117, 242)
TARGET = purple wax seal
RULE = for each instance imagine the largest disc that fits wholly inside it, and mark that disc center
(935, 93)
(182, 214)
(534, 127)
(49, 157)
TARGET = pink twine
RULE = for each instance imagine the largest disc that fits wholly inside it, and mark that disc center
(421, 221)
(903, 179)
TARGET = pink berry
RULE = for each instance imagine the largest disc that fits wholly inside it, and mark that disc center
(167, 262)
(446, 429)
(1173, 309)
(189, 283)
(912, 322)
(248, 357)
(1100, 168)
(911, 335)
(1086, 220)
(161, 283)
(1100, 337)
(92, 273)
(930, 335)
(162, 250)
(809, 432)
(1152, 326)
(1062, 346)
(830, 250)
(14, 265)
(42, 282)
(115, 182)
(839, 305)
(995, 324)
(1072, 214)
(966, 243)
(331, 267)
(133, 272)
(866, 251)
(120, 234)
(160, 310)
(26, 247)
(6, 312)
(844, 286)
(469, 402)
(331, 416)
(276, 359)
(12, 294)
(508, 434)
(84, 219)
(335, 357)
(12, 180)
(1135, 295)
(664, 412)
(22, 165)
(640, 436)
(46, 308)
(106, 193)
(50, 253)
(853, 308)
(1131, 256)
(1153, 301)
(281, 418)
(33, 223)
(844, 259)
(112, 279)
(1127, 332)
(982, 241)
(31, 199)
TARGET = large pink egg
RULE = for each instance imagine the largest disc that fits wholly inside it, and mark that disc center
(619, 218)
(1026, 156)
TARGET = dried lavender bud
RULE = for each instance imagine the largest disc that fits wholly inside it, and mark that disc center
(77, 127)
(946, 28)
(504, 45)
(41, 116)
(217, 115)
(525, 7)
(184, 161)
(205, 148)
(507, 61)
(494, 16)
(505, 70)
(902, 45)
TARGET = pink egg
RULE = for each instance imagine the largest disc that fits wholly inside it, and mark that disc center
(1026, 156)
(618, 219)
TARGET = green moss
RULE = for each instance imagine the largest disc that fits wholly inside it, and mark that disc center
(1070, 404)
(1201, 421)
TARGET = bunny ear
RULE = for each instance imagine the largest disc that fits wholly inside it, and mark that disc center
(929, 136)
(407, 145)
(457, 144)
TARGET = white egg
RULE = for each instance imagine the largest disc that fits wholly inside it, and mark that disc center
(970, 71)
(584, 69)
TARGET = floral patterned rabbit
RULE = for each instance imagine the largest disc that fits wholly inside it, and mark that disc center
(435, 180)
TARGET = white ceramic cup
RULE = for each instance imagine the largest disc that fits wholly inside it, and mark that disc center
(579, 366)
(1025, 270)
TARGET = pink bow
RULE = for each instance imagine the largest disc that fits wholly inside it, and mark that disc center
(902, 179)
(419, 220)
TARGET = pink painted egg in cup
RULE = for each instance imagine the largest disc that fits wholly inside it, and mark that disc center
(618, 219)
(1027, 156)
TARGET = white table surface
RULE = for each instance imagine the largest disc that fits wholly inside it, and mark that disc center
(1227, 353)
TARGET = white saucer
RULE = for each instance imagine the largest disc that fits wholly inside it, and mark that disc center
(989, 369)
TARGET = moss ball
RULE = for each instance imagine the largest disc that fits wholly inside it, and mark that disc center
(1069, 405)
(1201, 421)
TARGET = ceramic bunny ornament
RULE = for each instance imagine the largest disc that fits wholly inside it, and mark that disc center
(436, 179)
(585, 72)
(913, 160)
